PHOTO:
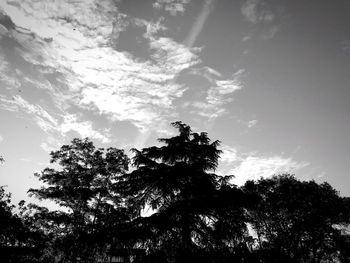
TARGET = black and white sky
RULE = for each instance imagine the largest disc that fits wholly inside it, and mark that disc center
(269, 78)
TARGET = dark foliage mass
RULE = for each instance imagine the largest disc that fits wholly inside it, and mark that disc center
(197, 215)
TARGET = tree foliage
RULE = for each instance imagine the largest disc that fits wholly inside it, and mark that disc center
(8, 221)
(83, 187)
(197, 215)
(17, 232)
(297, 221)
(192, 203)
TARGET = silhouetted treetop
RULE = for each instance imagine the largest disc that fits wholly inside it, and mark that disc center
(190, 202)
(297, 219)
(84, 185)
(189, 148)
(196, 214)
(169, 171)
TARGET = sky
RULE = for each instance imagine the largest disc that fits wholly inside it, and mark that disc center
(268, 78)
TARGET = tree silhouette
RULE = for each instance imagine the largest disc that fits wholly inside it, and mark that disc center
(8, 220)
(177, 181)
(83, 188)
(198, 216)
(296, 221)
(19, 240)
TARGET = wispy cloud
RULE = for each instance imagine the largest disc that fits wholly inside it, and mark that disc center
(270, 32)
(174, 7)
(255, 167)
(56, 127)
(345, 45)
(257, 13)
(199, 23)
(74, 40)
(252, 123)
(218, 95)
(229, 155)
(72, 50)
(40, 116)
(83, 128)
(252, 166)
(207, 72)
(253, 12)
(50, 144)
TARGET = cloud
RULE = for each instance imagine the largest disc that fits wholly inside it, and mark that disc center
(173, 57)
(229, 155)
(50, 144)
(254, 12)
(26, 159)
(172, 6)
(246, 38)
(345, 45)
(252, 166)
(257, 13)
(138, 91)
(252, 123)
(153, 28)
(207, 72)
(222, 88)
(40, 116)
(199, 23)
(92, 18)
(83, 128)
(75, 43)
(218, 95)
(1, 139)
(3, 30)
(59, 126)
(35, 113)
(8, 80)
(270, 32)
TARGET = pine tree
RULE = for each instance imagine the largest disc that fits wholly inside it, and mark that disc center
(177, 180)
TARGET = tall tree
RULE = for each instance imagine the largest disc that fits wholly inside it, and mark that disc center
(83, 187)
(297, 221)
(177, 180)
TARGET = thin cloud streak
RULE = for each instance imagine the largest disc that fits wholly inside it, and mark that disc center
(200, 21)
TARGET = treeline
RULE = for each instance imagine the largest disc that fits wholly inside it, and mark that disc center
(166, 204)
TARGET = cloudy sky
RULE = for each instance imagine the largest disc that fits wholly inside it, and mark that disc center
(269, 78)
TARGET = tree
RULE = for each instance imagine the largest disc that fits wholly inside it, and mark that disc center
(198, 216)
(18, 240)
(297, 221)
(83, 187)
(8, 220)
(177, 181)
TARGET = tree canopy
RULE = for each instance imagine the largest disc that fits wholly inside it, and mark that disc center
(83, 187)
(177, 181)
(297, 221)
(197, 215)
